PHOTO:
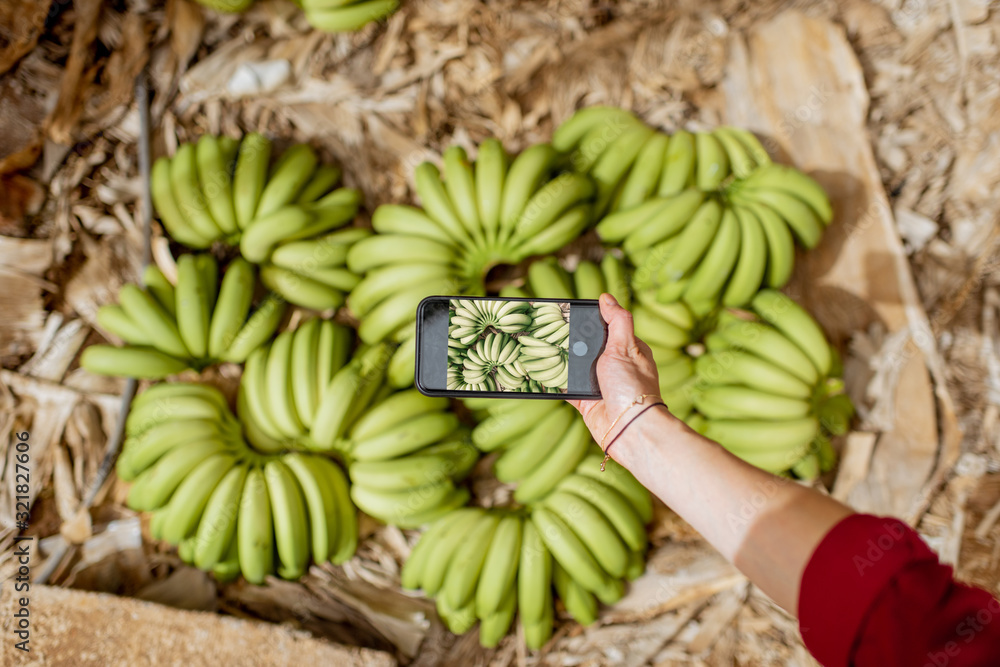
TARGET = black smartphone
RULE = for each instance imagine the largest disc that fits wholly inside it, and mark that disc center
(509, 348)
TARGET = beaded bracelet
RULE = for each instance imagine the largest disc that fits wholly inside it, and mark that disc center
(637, 400)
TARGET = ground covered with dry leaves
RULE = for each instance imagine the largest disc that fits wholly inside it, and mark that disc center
(893, 105)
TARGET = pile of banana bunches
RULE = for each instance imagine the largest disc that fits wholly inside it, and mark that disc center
(698, 232)
(325, 15)
(525, 348)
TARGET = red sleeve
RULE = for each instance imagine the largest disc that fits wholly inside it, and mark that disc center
(873, 594)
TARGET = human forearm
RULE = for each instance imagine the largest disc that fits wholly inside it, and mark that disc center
(767, 525)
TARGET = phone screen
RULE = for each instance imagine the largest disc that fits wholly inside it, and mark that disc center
(509, 348)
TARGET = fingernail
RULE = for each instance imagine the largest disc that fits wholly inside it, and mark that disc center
(608, 299)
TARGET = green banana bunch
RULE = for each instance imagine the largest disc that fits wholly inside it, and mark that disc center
(167, 329)
(469, 561)
(767, 388)
(228, 505)
(491, 211)
(492, 361)
(282, 217)
(632, 163)
(704, 217)
(709, 250)
(486, 564)
(405, 454)
(284, 383)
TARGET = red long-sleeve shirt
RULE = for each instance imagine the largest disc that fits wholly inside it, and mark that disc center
(874, 595)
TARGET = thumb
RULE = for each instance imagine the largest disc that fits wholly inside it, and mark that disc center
(621, 331)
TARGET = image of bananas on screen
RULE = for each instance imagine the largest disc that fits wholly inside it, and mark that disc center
(508, 346)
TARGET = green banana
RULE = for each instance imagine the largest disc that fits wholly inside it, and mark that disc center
(751, 264)
(494, 626)
(769, 344)
(398, 507)
(394, 410)
(733, 402)
(406, 437)
(712, 164)
(796, 324)
(291, 528)
(188, 195)
(799, 216)
(461, 188)
(255, 529)
(257, 329)
(250, 176)
(565, 455)
(232, 306)
(527, 452)
(795, 183)
(568, 550)
(496, 430)
(136, 362)
(116, 321)
(215, 182)
(643, 177)
(161, 288)
(580, 603)
(304, 356)
(278, 385)
(187, 504)
(153, 319)
(593, 530)
(400, 219)
(678, 164)
(320, 504)
(692, 242)
(497, 582)
(254, 383)
(154, 487)
(667, 221)
(193, 307)
(526, 173)
(467, 563)
(534, 576)
(490, 177)
(412, 574)
(143, 450)
(265, 232)
(710, 276)
(217, 528)
(612, 504)
(174, 222)
(294, 169)
(323, 180)
(736, 367)
(301, 290)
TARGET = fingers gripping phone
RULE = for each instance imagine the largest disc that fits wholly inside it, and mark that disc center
(509, 348)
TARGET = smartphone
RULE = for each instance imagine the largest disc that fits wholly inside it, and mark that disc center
(509, 348)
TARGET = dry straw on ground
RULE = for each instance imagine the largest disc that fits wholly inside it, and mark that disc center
(894, 106)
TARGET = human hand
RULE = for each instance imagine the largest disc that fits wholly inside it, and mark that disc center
(625, 370)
